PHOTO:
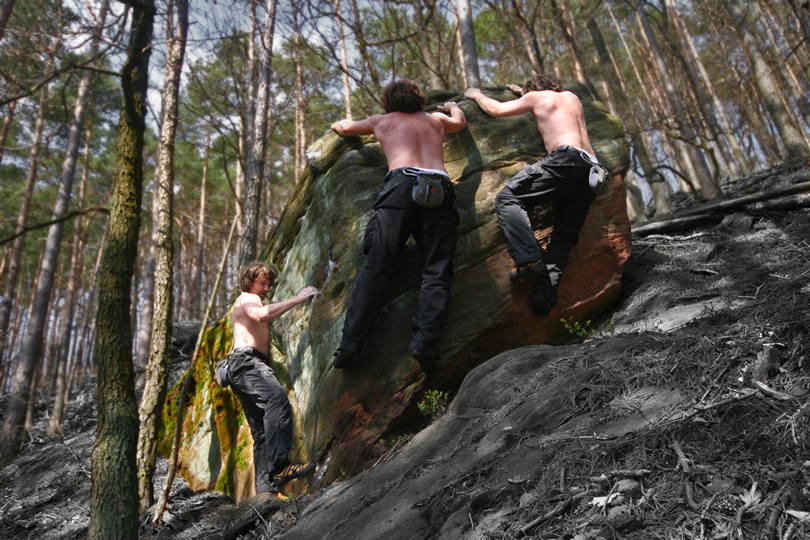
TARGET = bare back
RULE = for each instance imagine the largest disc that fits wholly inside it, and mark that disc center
(411, 139)
(560, 119)
(248, 332)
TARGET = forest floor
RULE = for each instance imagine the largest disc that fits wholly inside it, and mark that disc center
(717, 313)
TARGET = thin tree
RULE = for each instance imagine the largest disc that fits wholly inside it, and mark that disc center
(344, 62)
(255, 178)
(6, 7)
(114, 492)
(469, 55)
(33, 343)
(156, 371)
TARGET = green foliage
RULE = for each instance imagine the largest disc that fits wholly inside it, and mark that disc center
(396, 441)
(433, 404)
(578, 329)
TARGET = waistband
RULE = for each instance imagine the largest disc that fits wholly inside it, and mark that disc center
(412, 171)
(253, 351)
(566, 147)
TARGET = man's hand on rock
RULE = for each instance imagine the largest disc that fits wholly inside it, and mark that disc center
(306, 294)
(472, 93)
(447, 106)
(516, 89)
(337, 127)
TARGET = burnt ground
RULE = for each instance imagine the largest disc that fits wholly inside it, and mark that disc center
(717, 316)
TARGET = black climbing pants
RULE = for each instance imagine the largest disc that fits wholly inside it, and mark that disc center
(395, 218)
(562, 178)
(268, 413)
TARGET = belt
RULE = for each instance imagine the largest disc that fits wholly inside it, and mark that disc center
(253, 351)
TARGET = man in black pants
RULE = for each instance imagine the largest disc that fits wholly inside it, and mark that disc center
(247, 372)
(569, 176)
(416, 198)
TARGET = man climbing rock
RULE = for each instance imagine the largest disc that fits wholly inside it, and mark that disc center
(569, 176)
(416, 199)
(247, 372)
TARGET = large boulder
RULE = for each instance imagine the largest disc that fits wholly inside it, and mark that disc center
(341, 415)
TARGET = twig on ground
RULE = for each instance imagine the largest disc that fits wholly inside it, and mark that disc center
(559, 509)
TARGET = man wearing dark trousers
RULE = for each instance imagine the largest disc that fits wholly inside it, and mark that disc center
(416, 199)
(247, 372)
(568, 177)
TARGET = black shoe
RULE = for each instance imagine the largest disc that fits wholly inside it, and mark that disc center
(292, 471)
(428, 362)
(526, 270)
(343, 359)
(543, 295)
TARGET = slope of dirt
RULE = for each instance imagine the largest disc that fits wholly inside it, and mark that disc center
(684, 414)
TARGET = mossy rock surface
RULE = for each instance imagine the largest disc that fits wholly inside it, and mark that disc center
(340, 416)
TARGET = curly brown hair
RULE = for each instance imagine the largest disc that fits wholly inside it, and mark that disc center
(403, 96)
(541, 81)
(254, 271)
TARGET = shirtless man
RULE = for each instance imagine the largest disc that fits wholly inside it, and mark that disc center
(247, 372)
(562, 176)
(412, 142)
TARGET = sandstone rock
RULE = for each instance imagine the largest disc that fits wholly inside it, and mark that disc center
(341, 415)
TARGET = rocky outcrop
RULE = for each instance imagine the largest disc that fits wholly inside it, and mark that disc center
(340, 416)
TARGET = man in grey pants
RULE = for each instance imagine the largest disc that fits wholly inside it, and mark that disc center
(569, 176)
(247, 372)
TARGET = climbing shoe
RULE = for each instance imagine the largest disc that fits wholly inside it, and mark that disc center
(344, 359)
(428, 362)
(526, 270)
(292, 471)
(543, 295)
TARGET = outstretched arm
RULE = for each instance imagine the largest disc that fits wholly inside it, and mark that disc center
(259, 313)
(495, 108)
(355, 127)
(456, 121)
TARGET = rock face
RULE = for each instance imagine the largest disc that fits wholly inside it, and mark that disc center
(340, 416)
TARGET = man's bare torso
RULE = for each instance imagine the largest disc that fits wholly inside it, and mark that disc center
(411, 140)
(560, 119)
(246, 331)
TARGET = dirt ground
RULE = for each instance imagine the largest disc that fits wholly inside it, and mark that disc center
(716, 314)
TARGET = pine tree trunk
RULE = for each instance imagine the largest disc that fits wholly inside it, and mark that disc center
(6, 7)
(255, 179)
(74, 286)
(199, 257)
(767, 86)
(469, 55)
(344, 62)
(15, 256)
(7, 121)
(159, 355)
(300, 104)
(147, 298)
(114, 497)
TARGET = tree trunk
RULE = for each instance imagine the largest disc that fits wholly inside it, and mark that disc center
(114, 497)
(767, 86)
(567, 27)
(9, 118)
(300, 104)
(197, 280)
(6, 6)
(155, 389)
(15, 256)
(344, 63)
(74, 285)
(469, 55)
(147, 298)
(255, 179)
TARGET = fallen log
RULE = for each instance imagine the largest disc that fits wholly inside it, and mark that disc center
(788, 198)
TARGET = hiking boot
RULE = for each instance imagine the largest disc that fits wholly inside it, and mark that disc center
(343, 359)
(292, 471)
(525, 270)
(428, 362)
(543, 295)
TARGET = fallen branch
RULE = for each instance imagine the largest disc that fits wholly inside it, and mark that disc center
(712, 211)
(559, 509)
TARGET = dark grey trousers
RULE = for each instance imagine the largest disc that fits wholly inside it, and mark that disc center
(562, 178)
(267, 410)
(396, 217)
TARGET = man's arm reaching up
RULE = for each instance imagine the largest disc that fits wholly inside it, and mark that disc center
(356, 127)
(259, 313)
(455, 122)
(495, 108)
